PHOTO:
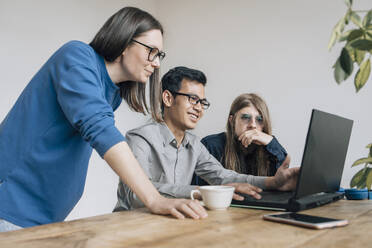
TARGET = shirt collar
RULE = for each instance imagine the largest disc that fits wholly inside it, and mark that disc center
(169, 139)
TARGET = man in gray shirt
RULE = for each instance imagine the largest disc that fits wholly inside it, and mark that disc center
(170, 154)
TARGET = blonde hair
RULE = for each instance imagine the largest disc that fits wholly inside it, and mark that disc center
(231, 158)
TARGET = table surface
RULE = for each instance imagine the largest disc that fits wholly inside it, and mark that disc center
(235, 227)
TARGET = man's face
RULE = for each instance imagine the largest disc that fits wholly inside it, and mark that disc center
(182, 113)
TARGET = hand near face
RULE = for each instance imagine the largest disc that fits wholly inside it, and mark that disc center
(254, 136)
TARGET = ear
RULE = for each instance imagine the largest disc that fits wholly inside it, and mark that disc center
(167, 98)
(119, 59)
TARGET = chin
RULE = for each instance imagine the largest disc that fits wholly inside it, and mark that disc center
(191, 125)
(143, 80)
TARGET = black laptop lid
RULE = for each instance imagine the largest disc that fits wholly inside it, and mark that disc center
(324, 154)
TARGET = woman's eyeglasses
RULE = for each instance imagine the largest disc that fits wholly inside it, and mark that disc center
(194, 99)
(248, 118)
(153, 52)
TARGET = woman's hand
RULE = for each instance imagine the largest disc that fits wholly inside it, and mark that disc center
(254, 136)
(179, 208)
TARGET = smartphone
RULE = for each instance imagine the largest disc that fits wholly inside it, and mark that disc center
(304, 220)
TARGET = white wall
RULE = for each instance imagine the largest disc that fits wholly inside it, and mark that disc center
(275, 48)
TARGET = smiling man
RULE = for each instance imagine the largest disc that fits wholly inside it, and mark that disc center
(170, 154)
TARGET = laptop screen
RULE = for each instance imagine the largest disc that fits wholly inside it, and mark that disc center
(324, 154)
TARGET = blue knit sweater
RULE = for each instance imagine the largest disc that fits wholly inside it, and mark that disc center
(47, 137)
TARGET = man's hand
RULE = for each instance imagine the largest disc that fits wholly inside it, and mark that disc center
(254, 136)
(179, 208)
(285, 178)
(245, 188)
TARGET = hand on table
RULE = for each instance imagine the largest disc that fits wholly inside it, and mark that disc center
(179, 208)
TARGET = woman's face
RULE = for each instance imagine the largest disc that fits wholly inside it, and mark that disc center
(135, 64)
(246, 119)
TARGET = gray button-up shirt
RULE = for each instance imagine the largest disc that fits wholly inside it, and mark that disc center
(171, 169)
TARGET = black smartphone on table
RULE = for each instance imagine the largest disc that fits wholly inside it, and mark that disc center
(304, 220)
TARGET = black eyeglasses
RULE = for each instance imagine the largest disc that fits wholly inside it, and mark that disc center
(194, 99)
(153, 52)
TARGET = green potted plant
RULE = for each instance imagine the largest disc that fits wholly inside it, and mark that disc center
(356, 34)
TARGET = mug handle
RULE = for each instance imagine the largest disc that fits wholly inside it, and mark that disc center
(193, 192)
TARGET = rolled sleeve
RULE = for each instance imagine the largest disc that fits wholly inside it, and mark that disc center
(80, 93)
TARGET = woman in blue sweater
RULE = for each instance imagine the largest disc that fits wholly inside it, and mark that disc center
(248, 145)
(67, 109)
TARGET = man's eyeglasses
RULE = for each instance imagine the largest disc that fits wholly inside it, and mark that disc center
(194, 99)
(153, 52)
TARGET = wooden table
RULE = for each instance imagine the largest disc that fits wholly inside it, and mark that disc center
(235, 227)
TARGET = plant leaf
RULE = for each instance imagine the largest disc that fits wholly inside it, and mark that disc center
(337, 30)
(346, 62)
(359, 56)
(362, 75)
(356, 33)
(348, 3)
(369, 179)
(339, 74)
(332, 40)
(344, 35)
(362, 161)
(351, 52)
(362, 181)
(370, 150)
(369, 33)
(357, 178)
(355, 18)
(367, 19)
(362, 44)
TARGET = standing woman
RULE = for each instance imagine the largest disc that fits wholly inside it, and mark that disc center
(248, 145)
(67, 108)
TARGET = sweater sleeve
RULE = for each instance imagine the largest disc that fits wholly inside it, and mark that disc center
(80, 94)
(277, 151)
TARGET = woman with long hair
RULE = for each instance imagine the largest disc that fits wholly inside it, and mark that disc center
(248, 145)
(67, 109)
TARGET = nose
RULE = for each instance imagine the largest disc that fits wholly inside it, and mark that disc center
(156, 62)
(252, 124)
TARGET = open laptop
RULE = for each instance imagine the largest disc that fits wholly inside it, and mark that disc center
(321, 168)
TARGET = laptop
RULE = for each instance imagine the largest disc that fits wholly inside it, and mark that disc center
(321, 168)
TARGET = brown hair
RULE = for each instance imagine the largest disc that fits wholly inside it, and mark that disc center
(231, 158)
(110, 42)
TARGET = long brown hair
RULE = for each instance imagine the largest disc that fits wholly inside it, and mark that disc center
(110, 42)
(231, 158)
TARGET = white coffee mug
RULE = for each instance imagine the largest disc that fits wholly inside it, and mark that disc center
(215, 197)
